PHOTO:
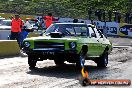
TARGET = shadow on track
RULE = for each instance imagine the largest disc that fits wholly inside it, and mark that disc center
(66, 71)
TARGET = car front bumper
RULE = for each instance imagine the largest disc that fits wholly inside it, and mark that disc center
(50, 52)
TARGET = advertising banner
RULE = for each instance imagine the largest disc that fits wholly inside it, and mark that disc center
(125, 30)
(100, 25)
(111, 27)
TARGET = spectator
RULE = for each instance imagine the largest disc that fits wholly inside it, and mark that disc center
(49, 19)
(27, 24)
(110, 15)
(16, 28)
(127, 17)
(116, 15)
(43, 25)
(130, 18)
(89, 13)
(82, 22)
(103, 13)
(75, 21)
(119, 17)
(41, 19)
(38, 18)
(37, 24)
(92, 22)
(98, 13)
(26, 29)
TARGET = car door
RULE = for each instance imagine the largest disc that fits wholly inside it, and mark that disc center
(101, 41)
(84, 39)
(94, 44)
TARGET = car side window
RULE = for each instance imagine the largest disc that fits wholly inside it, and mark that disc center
(81, 31)
(90, 31)
(98, 34)
(70, 31)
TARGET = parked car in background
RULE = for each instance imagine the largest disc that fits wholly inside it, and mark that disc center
(6, 23)
(72, 42)
(5, 29)
(1, 19)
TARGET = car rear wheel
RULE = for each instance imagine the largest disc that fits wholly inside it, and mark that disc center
(32, 61)
(103, 60)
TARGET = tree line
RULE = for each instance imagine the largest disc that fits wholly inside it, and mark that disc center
(65, 8)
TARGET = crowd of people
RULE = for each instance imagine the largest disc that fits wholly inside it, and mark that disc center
(20, 30)
(103, 15)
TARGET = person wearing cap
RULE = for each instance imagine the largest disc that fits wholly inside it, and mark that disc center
(16, 28)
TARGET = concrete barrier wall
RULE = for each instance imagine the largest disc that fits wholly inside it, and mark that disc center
(9, 48)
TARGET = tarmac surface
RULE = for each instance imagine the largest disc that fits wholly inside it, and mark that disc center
(15, 72)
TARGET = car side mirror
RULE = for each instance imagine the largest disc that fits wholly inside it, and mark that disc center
(93, 35)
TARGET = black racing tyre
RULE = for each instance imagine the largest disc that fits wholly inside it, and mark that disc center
(81, 59)
(59, 62)
(84, 81)
(32, 61)
(103, 60)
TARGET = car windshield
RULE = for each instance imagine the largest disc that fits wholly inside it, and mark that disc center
(6, 23)
(69, 29)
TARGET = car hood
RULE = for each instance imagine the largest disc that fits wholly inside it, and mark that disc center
(49, 38)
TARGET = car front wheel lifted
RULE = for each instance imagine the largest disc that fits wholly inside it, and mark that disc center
(32, 61)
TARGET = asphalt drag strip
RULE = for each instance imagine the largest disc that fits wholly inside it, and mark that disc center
(15, 72)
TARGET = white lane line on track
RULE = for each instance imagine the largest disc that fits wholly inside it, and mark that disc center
(121, 46)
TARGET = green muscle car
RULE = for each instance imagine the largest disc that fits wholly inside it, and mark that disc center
(71, 42)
